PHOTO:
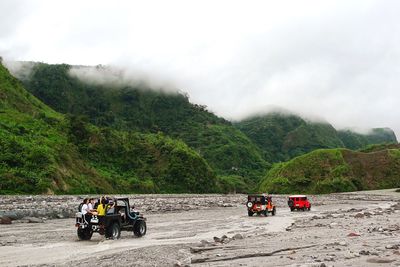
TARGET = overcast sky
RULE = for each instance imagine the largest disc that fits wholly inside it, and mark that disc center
(336, 60)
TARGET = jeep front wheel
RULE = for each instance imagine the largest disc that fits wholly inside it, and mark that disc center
(140, 228)
(250, 213)
(114, 231)
(85, 233)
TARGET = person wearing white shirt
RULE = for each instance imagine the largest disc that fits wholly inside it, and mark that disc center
(91, 208)
(90, 204)
(85, 207)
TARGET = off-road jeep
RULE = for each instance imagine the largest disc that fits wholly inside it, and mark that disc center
(111, 224)
(299, 202)
(260, 204)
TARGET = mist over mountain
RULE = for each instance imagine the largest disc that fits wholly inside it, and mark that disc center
(122, 135)
(42, 151)
(282, 136)
(338, 60)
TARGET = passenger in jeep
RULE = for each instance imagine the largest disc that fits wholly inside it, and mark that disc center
(101, 208)
(85, 209)
(91, 209)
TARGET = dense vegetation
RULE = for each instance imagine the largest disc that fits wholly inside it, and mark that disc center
(354, 140)
(336, 170)
(284, 136)
(226, 149)
(109, 137)
(43, 151)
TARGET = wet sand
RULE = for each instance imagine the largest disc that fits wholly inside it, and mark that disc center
(352, 229)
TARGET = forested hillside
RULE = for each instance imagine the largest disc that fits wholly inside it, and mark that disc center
(150, 110)
(336, 170)
(42, 151)
(354, 140)
(90, 137)
(284, 136)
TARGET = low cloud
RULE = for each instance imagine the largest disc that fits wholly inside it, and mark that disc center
(114, 76)
(335, 60)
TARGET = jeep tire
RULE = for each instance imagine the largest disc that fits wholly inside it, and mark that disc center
(113, 231)
(250, 213)
(139, 228)
(265, 213)
(273, 211)
(85, 233)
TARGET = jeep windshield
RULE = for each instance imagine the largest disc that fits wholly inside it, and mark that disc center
(255, 199)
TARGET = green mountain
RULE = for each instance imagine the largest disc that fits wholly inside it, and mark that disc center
(354, 140)
(150, 110)
(285, 136)
(336, 170)
(65, 135)
(42, 151)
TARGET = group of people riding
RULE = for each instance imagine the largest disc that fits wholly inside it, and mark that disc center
(104, 205)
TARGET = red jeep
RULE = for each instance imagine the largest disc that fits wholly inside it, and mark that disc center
(260, 204)
(299, 202)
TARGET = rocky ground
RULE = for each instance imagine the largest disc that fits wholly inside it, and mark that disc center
(352, 229)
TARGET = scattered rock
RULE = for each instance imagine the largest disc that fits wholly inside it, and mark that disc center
(364, 252)
(12, 215)
(5, 220)
(204, 243)
(359, 215)
(33, 220)
(369, 213)
(217, 239)
(330, 258)
(222, 239)
(392, 247)
(20, 221)
(380, 260)
(353, 234)
(237, 236)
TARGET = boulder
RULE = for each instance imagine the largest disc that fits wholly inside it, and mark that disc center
(237, 236)
(359, 215)
(353, 234)
(380, 260)
(5, 220)
(33, 219)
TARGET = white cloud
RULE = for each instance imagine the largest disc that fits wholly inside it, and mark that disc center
(333, 59)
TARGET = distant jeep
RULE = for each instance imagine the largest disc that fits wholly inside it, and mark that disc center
(121, 218)
(260, 204)
(299, 202)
